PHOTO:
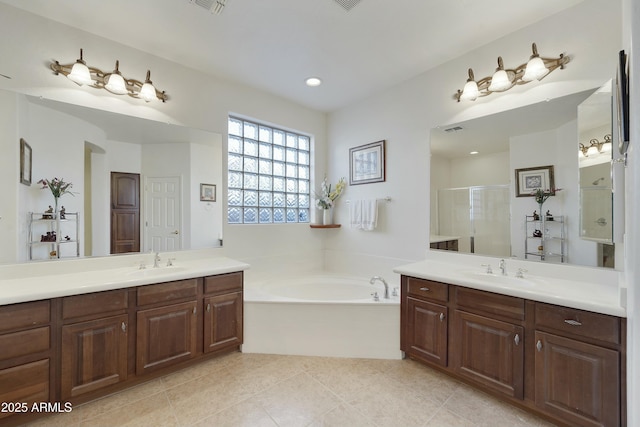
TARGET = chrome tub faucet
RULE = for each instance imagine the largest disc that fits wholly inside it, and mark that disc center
(384, 282)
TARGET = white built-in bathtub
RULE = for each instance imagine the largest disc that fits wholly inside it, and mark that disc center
(321, 315)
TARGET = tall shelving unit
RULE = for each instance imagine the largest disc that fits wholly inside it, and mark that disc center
(66, 235)
(551, 244)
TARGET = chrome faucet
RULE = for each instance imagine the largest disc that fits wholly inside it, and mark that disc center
(384, 282)
(156, 260)
(503, 267)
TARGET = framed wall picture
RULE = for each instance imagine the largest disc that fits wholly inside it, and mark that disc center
(207, 192)
(529, 180)
(25, 162)
(367, 163)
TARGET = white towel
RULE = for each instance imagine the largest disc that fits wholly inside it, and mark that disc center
(363, 214)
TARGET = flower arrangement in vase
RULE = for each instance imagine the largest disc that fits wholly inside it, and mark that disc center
(326, 198)
(541, 196)
(58, 188)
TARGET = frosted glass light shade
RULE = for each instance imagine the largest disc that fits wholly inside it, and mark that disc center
(470, 91)
(147, 92)
(80, 74)
(500, 81)
(535, 70)
(115, 84)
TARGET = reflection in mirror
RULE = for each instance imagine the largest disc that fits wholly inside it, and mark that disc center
(86, 147)
(474, 208)
(594, 154)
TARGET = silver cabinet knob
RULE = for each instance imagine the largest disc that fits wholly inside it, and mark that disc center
(539, 345)
(441, 317)
(517, 339)
(124, 327)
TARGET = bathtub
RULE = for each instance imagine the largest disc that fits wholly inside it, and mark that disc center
(321, 315)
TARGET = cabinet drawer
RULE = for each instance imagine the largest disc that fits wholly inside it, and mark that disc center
(586, 324)
(161, 292)
(223, 283)
(95, 303)
(24, 315)
(26, 383)
(427, 289)
(24, 342)
(489, 303)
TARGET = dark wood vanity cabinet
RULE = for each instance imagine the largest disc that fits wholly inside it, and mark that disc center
(487, 340)
(425, 320)
(77, 348)
(94, 337)
(579, 358)
(25, 357)
(561, 363)
(167, 324)
(223, 311)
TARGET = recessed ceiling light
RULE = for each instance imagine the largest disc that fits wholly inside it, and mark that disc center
(473, 152)
(313, 81)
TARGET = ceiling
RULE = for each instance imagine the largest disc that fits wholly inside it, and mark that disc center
(275, 45)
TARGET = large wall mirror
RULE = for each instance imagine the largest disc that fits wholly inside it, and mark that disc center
(86, 147)
(475, 205)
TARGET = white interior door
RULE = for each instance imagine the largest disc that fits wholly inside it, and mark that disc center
(163, 219)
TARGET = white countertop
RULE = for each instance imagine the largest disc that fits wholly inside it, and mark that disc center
(601, 298)
(105, 274)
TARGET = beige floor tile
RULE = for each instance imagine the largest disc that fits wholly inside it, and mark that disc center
(444, 418)
(244, 414)
(389, 403)
(297, 401)
(119, 400)
(205, 396)
(152, 411)
(207, 368)
(341, 416)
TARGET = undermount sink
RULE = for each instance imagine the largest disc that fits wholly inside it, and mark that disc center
(497, 278)
(152, 272)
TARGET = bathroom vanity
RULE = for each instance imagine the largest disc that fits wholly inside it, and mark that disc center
(74, 348)
(564, 363)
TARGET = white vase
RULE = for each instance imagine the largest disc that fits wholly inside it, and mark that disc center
(327, 216)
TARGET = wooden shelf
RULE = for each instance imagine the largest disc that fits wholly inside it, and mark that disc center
(325, 226)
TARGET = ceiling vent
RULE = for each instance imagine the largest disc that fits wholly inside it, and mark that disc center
(453, 129)
(213, 6)
(347, 4)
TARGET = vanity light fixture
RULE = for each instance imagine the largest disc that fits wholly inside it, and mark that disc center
(82, 74)
(504, 79)
(595, 147)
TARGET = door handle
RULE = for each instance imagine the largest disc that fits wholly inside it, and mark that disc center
(175, 232)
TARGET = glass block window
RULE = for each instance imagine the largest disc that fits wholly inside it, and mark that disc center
(268, 174)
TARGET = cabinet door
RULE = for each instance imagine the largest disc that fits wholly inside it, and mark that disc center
(222, 321)
(94, 355)
(427, 331)
(165, 336)
(576, 381)
(489, 352)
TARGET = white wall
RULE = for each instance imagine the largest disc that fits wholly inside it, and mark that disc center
(9, 173)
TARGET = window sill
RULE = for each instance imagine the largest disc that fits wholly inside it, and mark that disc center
(325, 226)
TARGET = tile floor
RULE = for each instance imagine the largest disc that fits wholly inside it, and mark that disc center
(268, 390)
